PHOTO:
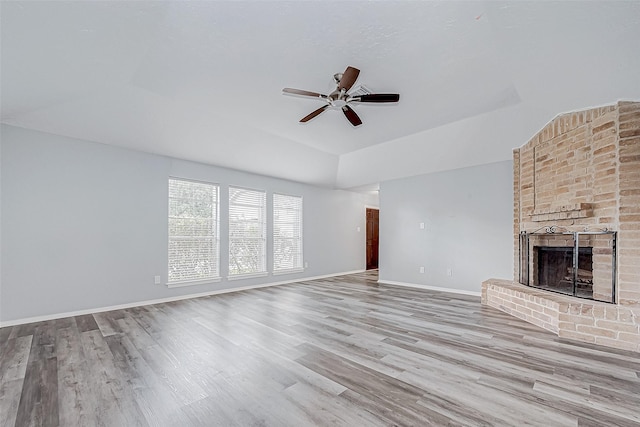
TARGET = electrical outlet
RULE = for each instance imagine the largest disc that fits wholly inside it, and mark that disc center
(422, 226)
(449, 272)
(306, 264)
(421, 269)
(156, 280)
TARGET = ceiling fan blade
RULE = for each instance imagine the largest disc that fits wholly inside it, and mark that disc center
(349, 77)
(377, 97)
(351, 115)
(303, 93)
(313, 114)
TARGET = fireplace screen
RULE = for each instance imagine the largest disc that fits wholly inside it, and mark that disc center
(581, 264)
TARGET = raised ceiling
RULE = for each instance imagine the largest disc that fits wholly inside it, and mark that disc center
(202, 80)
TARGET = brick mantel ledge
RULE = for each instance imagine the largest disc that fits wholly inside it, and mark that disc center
(611, 325)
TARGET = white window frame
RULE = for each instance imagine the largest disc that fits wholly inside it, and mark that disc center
(213, 236)
(296, 227)
(259, 241)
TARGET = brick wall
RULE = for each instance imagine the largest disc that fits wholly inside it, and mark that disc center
(581, 172)
(629, 202)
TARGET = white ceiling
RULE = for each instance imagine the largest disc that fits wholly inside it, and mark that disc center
(202, 80)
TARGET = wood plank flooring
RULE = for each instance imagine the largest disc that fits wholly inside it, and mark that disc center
(344, 351)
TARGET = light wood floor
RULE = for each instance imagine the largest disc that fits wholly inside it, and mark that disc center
(340, 351)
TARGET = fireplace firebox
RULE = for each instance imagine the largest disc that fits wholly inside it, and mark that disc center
(556, 271)
(580, 264)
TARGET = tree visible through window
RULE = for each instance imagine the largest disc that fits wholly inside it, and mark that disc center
(193, 231)
(287, 233)
(247, 231)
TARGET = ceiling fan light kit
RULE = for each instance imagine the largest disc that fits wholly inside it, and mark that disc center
(340, 97)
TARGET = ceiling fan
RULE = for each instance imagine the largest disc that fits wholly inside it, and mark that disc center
(340, 98)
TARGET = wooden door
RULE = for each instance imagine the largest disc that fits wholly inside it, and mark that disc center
(372, 238)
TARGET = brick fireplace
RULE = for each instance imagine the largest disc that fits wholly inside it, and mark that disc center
(579, 176)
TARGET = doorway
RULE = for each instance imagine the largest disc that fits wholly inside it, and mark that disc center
(373, 218)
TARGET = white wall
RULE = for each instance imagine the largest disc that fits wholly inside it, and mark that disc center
(468, 217)
(84, 225)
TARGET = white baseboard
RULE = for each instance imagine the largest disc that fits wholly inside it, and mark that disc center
(163, 300)
(431, 288)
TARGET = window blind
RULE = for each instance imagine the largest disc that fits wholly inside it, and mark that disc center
(287, 233)
(247, 231)
(193, 231)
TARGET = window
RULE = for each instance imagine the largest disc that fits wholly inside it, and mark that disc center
(193, 231)
(287, 233)
(247, 232)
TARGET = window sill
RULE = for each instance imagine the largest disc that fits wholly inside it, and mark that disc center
(194, 282)
(247, 276)
(290, 271)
